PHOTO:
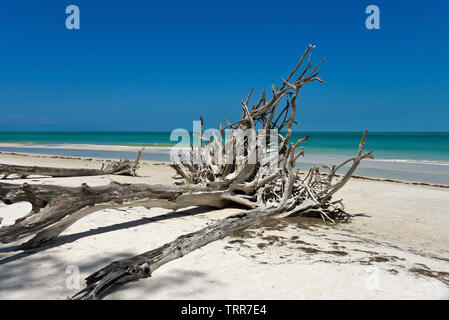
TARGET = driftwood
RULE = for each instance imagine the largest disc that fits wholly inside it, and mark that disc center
(254, 166)
(143, 265)
(55, 208)
(121, 167)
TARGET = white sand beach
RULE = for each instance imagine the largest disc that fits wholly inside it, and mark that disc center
(397, 246)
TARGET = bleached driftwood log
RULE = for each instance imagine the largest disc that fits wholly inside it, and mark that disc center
(238, 169)
(121, 167)
(143, 265)
(55, 208)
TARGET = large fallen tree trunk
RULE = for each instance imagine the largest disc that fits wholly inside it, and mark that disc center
(256, 170)
(143, 265)
(121, 167)
(55, 208)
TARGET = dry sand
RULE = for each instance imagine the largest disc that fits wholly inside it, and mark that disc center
(396, 248)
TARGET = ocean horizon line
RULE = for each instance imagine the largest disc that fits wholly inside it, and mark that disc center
(167, 131)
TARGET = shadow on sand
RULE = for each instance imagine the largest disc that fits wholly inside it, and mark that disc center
(64, 239)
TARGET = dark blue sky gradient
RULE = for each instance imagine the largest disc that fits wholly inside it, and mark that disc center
(158, 65)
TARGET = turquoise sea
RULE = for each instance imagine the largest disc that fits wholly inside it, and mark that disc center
(432, 146)
(418, 156)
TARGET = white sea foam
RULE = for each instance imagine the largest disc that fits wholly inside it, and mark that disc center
(412, 161)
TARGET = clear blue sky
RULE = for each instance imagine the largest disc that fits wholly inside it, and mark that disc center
(158, 65)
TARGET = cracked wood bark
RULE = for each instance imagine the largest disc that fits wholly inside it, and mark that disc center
(58, 207)
(121, 167)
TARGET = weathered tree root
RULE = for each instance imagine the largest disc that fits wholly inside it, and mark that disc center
(121, 167)
(55, 208)
(142, 266)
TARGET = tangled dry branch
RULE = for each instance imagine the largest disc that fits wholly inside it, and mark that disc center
(258, 169)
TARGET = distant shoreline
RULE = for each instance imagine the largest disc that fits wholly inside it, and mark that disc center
(417, 183)
(413, 171)
(166, 148)
(411, 147)
(80, 146)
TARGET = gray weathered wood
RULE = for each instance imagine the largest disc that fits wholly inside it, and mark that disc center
(65, 205)
(121, 167)
(143, 265)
